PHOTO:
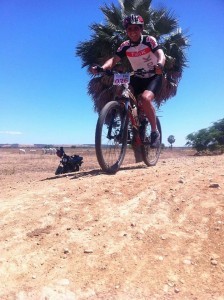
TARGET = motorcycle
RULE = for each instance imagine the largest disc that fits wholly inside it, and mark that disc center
(68, 163)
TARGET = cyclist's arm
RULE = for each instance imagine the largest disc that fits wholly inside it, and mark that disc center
(160, 56)
(160, 61)
(110, 63)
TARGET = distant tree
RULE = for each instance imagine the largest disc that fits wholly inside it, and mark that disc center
(199, 140)
(217, 131)
(211, 138)
(171, 140)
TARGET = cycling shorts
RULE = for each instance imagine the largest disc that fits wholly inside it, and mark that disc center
(152, 84)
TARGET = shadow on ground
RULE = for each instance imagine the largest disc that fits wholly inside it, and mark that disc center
(92, 173)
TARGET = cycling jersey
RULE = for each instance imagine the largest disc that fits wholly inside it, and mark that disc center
(140, 55)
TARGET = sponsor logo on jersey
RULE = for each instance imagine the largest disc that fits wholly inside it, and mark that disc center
(124, 44)
(142, 52)
(152, 41)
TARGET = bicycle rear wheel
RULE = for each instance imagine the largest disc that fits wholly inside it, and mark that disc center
(111, 136)
(150, 154)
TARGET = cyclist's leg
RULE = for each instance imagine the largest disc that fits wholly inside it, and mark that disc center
(136, 85)
(146, 103)
(153, 86)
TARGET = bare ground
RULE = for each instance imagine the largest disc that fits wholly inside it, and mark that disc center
(144, 233)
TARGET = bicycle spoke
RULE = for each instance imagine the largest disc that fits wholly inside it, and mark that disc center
(111, 137)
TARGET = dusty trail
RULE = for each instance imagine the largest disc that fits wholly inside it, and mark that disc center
(144, 233)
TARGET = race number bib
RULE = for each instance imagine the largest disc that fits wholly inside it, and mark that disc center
(121, 78)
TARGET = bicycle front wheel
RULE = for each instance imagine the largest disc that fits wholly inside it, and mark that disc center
(111, 136)
(150, 154)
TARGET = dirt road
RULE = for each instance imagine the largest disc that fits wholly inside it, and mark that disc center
(144, 233)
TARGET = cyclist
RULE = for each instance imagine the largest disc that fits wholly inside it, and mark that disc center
(143, 52)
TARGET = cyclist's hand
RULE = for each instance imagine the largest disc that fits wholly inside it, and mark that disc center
(96, 70)
(158, 69)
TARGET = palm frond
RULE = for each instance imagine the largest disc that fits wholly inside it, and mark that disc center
(140, 6)
(106, 38)
(165, 22)
(127, 6)
(102, 91)
(113, 15)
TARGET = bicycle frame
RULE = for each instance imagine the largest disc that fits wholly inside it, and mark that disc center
(130, 102)
(122, 122)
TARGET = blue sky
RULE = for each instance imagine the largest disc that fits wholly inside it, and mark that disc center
(43, 89)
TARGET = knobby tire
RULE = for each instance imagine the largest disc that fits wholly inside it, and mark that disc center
(111, 136)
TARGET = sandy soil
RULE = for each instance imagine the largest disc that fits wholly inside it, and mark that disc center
(143, 233)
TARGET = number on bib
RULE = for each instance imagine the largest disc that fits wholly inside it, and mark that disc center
(121, 78)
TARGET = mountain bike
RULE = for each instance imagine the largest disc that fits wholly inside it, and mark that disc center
(122, 122)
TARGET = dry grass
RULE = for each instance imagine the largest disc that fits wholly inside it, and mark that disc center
(11, 162)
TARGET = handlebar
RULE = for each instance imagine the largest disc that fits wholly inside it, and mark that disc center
(137, 72)
(142, 72)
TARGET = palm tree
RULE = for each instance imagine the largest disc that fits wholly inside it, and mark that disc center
(171, 140)
(107, 37)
